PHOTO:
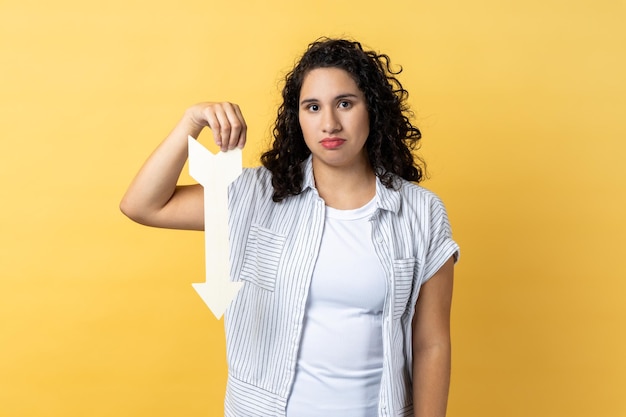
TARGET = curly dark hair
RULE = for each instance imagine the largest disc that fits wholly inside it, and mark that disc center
(392, 137)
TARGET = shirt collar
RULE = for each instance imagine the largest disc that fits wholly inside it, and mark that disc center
(308, 181)
(388, 198)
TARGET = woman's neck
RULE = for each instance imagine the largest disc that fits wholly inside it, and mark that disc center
(345, 188)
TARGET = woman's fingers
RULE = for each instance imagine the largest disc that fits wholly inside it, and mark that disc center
(213, 122)
(227, 124)
(244, 128)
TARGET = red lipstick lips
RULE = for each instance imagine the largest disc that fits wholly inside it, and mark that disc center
(332, 143)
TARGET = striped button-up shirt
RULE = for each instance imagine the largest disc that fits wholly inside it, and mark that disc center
(273, 250)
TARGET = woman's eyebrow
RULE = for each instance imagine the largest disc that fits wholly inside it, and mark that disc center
(308, 100)
(347, 95)
(339, 97)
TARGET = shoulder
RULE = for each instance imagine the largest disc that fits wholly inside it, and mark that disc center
(415, 193)
(406, 198)
(258, 176)
(411, 188)
(252, 184)
(419, 203)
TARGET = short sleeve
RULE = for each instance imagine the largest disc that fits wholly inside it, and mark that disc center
(441, 246)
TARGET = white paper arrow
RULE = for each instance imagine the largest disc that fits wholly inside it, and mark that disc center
(215, 173)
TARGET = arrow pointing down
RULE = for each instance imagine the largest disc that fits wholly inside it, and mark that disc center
(215, 173)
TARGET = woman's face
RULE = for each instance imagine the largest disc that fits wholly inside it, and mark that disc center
(334, 118)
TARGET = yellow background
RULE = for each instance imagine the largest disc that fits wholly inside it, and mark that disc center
(522, 105)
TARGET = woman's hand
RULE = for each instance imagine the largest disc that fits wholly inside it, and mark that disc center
(225, 120)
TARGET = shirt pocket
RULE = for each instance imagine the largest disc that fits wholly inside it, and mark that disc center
(403, 273)
(262, 257)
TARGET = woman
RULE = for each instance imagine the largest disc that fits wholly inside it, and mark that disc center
(333, 241)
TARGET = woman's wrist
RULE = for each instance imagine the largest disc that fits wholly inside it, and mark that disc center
(190, 123)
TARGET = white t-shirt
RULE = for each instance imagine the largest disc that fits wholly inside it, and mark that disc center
(341, 352)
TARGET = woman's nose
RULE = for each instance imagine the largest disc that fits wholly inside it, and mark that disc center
(330, 121)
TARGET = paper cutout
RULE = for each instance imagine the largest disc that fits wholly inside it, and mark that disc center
(215, 173)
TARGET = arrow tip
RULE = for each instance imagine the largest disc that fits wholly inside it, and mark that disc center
(217, 295)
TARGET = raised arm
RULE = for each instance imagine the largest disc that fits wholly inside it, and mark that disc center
(431, 344)
(154, 198)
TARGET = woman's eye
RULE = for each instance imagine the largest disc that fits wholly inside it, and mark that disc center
(344, 104)
(314, 107)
